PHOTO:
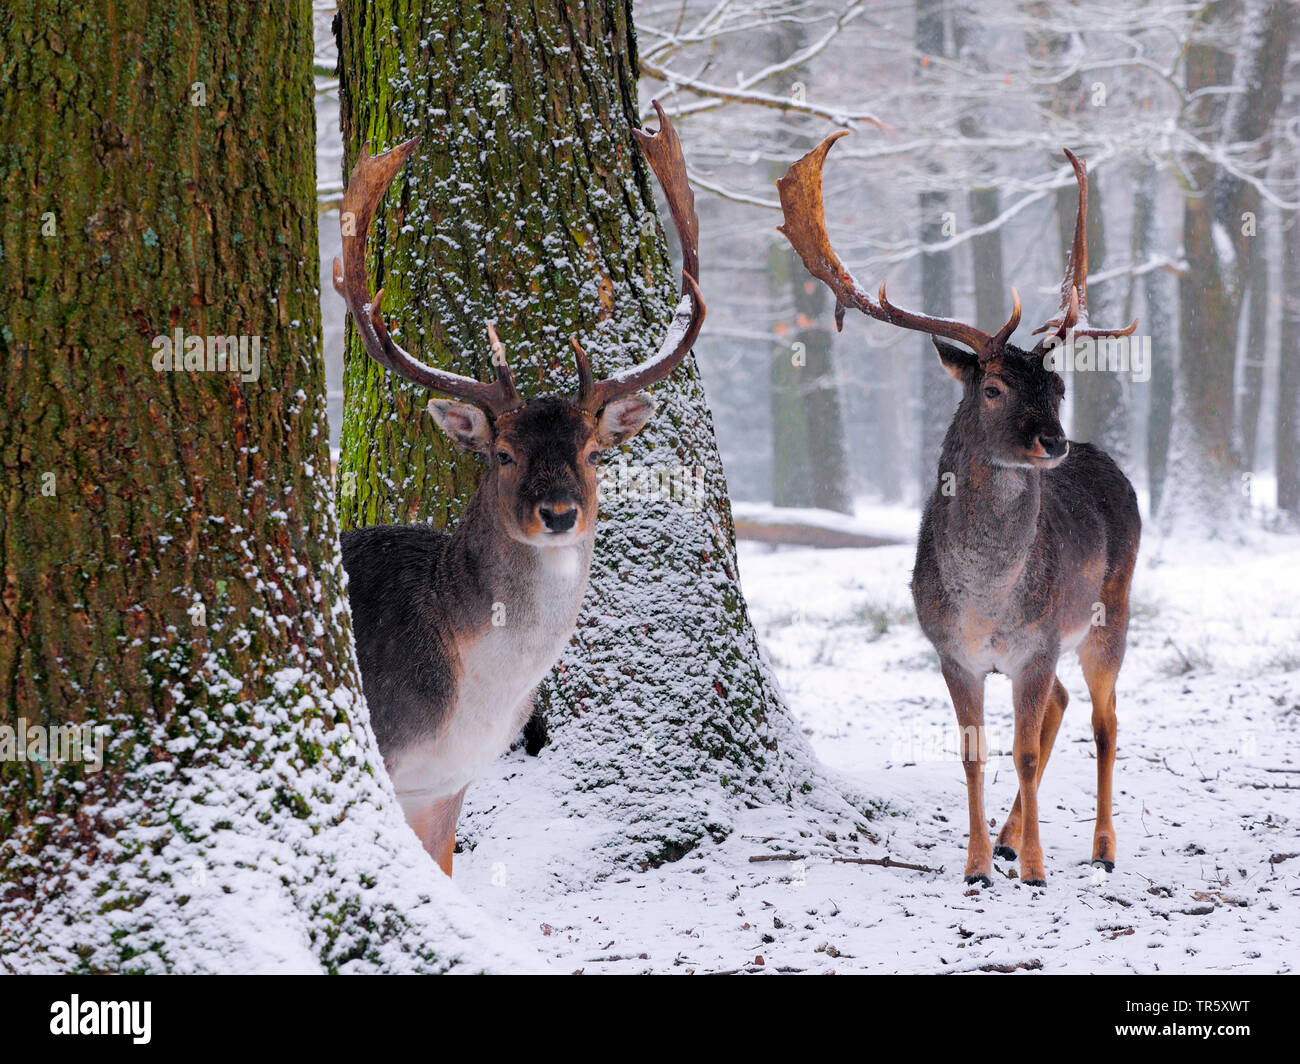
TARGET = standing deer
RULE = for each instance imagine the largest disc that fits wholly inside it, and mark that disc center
(455, 631)
(1028, 542)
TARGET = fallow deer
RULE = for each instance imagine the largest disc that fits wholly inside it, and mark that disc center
(1028, 542)
(455, 631)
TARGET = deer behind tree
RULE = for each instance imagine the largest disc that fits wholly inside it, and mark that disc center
(455, 631)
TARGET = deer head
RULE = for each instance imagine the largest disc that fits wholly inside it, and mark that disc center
(542, 453)
(1011, 397)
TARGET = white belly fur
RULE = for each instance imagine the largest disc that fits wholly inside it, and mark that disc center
(498, 672)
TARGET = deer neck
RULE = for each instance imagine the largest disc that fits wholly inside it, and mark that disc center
(985, 519)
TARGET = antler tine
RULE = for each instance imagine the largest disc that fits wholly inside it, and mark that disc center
(1073, 315)
(663, 150)
(1004, 334)
(805, 227)
(367, 184)
(505, 381)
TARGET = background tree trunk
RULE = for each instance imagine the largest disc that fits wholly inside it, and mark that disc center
(1159, 322)
(1287, 433)
(1097, 400)
(938, 391)
(1100, 404)
(1254, 357)
(529, 203)
(809, 465)
(1204, 480)
(168, 548)
(791, 468)
(992, 296)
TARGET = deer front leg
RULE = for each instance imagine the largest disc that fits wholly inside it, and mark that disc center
(1030, 691)
(1009, 836)
(434, 823)
(967, 691)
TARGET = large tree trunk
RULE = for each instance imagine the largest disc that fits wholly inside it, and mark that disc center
(529, 203)
(168, 548)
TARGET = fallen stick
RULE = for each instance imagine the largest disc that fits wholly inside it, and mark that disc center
(880, 862)
(887, 862)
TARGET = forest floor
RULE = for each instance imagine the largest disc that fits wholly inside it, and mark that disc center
(1207, 798)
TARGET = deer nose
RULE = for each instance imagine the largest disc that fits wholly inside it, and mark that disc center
(1054, 446)
(558, 517)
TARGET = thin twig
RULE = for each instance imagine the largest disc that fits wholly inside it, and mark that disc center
(886, 862)
(879, 862)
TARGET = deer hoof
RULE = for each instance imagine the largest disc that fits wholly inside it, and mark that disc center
(1108, 866)
(1004, 852)
(979, 879)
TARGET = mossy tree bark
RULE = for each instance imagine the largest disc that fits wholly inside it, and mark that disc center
(168, 547)
(529, 204)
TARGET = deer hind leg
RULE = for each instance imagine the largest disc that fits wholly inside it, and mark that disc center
(434, 823)
(1009, 836)
(1031, 692)
(967, 693)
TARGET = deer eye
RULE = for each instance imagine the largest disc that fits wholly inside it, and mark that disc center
(504, 459)
(992, 392)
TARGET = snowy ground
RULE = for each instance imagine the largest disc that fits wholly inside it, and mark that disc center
(1207, 808)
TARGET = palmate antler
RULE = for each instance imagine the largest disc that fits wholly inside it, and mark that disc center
(370, 179)
(663, 150)
(1072, 318)
(805, 227)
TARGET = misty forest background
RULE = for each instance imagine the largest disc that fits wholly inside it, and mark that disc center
(1189, 117)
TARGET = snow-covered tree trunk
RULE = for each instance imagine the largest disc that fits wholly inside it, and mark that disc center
(528, 203)
(172, 590)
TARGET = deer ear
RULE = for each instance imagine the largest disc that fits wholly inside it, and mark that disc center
(466, 425)
(959, 362)
(621, 419)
